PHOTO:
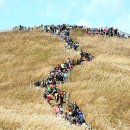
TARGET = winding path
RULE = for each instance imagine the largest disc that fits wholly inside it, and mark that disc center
(84, 125)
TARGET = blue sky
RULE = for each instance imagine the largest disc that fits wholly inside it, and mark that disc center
(93, 13)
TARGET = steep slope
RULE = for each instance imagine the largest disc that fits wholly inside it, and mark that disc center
(101, 88)
(24, 58)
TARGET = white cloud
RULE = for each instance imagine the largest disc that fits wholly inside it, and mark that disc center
(106, 7)
(4, 4)
(101, 13)
(122, 23)
(1, 3)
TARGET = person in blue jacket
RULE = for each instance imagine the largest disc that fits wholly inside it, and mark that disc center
(80, 117)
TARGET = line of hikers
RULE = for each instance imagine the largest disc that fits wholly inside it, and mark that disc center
(90, 31)
(57, 97)
(59, 75)
(63, 31)
(106, 31)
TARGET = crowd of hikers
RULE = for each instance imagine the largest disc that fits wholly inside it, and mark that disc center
(111, 31)
(64, 32)
(91, 31)
(56, 97)
(107, 31)
(24, 28)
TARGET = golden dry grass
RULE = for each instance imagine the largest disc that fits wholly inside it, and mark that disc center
(24, 58)
(101, 88)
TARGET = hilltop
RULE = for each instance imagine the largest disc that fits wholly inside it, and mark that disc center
(100, 87)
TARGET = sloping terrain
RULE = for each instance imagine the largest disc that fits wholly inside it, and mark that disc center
(24, 58)
(101, 88)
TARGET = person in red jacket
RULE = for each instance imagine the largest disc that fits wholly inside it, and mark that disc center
(49, 98)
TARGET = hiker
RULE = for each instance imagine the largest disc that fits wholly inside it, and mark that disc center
(81, 54)
(88, 56)
(47, 83)
(80, 117)
(70, 66)
(60, 78)
(66, 116)
(45, 95)
(74, 107)
(68, 61)
(43, 83)
(65, 76)
(64, 94)
(75, 46)
(20, 27)
(37, 83)
(50, 80)
(62, 67)
(69, 114)
(73, 120)
(49, 98)
(54, 82)
(61, 110)
(56, 95)
(57, 110)
(49, 89)
(80, 61)
(74, 62)
(61, 98)
(54, 91)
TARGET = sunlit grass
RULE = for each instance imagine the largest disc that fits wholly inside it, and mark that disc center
(101, 88)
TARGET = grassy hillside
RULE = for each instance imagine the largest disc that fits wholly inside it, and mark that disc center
(24, 58)
(101, 88)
